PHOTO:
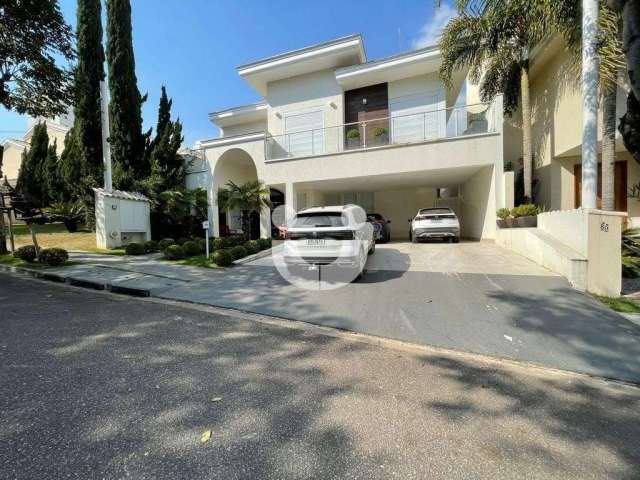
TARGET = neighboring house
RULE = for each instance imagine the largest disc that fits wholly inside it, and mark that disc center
(557, 135)
(335, 128)
(13, 148)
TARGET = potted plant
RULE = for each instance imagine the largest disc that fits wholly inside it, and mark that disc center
(502, 214)
(381, 136)
(70, 213)
(526, 215)
(353, 138)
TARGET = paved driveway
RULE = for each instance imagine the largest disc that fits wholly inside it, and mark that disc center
(475, 297)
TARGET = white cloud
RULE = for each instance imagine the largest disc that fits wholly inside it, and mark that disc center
(431, 31)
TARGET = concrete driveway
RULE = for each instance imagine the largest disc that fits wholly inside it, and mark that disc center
(473, 297)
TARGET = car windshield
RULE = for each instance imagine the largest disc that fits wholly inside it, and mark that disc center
(435, 211)
(374, 216)
(319, 219)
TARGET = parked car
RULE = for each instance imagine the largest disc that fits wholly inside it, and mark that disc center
(435, 223)
(381, 227)
(338, 236)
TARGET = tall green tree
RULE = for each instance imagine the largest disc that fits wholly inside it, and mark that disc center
(29, 183)
(70, 167)
(3, 237)
(127, 140)
(88, 74)
(32, 35)
(50, 177)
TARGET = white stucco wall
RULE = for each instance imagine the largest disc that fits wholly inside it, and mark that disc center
(401, 205)
(478, 205)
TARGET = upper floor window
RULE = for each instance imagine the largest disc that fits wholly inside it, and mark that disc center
(304, 133)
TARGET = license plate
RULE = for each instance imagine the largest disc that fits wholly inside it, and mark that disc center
(315, 242)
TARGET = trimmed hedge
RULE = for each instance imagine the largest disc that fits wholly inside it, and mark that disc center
(53, 256)
(26, 253)
(191, 248)
(174, 252)
(238, 252)
(264, 243)
(134, 249)
(222, 258)
(151, 246)
(252, 246)
(165, 242)
(182, 240)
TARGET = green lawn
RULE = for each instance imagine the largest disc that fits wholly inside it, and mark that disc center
(620, 304)
(16, 262)
(197, 261)
(22, 229)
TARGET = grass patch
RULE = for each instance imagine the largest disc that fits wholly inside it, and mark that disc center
(620, 304)
(197, 261)
(20, 229)
(81, 240)
(118, 252)
(16, 262)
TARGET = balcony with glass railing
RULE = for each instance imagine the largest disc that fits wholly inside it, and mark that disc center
(406, 129)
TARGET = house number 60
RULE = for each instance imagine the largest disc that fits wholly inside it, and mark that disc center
(604, 227)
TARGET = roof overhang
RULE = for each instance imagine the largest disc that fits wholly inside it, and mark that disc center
(14, 142)
(417, 62)
(328, 55)
(254, 112)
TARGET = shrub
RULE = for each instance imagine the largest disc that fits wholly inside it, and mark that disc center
(252, 246)
(524, 210)
(238, 252)
(26, 253)
(191, 248)
(503, 213)
(151, 246)
(174, 252)
(218, 243)
(264, 243)
(53, 256)
(134, 249)
(353, 133)
(183, 240)
(165, 242)
(222, 258)
(380, 131)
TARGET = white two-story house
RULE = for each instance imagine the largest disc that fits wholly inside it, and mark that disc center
(334, 127)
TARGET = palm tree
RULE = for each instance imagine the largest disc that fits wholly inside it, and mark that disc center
(493, 40)
(249, 197)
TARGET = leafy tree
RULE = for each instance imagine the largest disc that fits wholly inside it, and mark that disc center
(127, 140)
(184, 210)
(29, 183)
(32, 34)
(50, 177)
(249, 197)
(494, 43)
(88, 74)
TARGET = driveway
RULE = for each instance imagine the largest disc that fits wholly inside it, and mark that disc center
(473, 297)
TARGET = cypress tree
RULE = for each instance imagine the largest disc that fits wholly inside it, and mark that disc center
(89, 72)
(30, 177)
(70, 166)
(127, 141)
(50, 176)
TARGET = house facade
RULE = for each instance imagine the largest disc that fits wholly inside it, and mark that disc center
(334, 128)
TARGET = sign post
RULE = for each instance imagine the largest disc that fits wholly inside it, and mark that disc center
(205, 226)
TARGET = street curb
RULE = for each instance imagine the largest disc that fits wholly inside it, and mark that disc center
(255, 256)
(78, 282)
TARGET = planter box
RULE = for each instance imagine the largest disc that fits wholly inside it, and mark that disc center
(353, 143)
(529, 221)
(510, 222)
(501, 223)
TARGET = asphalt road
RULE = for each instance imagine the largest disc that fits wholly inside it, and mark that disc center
(94, 385)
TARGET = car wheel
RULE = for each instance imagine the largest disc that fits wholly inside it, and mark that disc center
(456, 240)
(373, 248)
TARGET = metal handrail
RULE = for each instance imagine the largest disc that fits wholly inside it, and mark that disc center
(364, 122)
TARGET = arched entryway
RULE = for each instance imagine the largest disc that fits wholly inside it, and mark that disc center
(236, 165)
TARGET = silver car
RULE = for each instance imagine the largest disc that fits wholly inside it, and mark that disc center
(435, 223)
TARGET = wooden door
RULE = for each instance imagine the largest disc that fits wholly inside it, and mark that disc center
(619, 189)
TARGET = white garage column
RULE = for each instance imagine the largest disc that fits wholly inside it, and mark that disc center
(290, 201)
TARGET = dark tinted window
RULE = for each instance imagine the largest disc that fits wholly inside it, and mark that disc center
(319, 219)
(374, 216)
(434, 211)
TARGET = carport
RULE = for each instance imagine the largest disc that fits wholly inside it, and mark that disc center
(469, 191)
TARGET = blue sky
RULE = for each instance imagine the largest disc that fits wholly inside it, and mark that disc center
(193, 46)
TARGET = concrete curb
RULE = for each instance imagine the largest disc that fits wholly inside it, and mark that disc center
(78, 282)
(255, 256)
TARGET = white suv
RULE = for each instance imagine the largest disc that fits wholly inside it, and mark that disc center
(338, 236)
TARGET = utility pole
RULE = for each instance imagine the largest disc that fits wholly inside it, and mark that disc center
(106, 148)
(589, 103)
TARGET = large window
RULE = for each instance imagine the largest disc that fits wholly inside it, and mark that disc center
(303, 133)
